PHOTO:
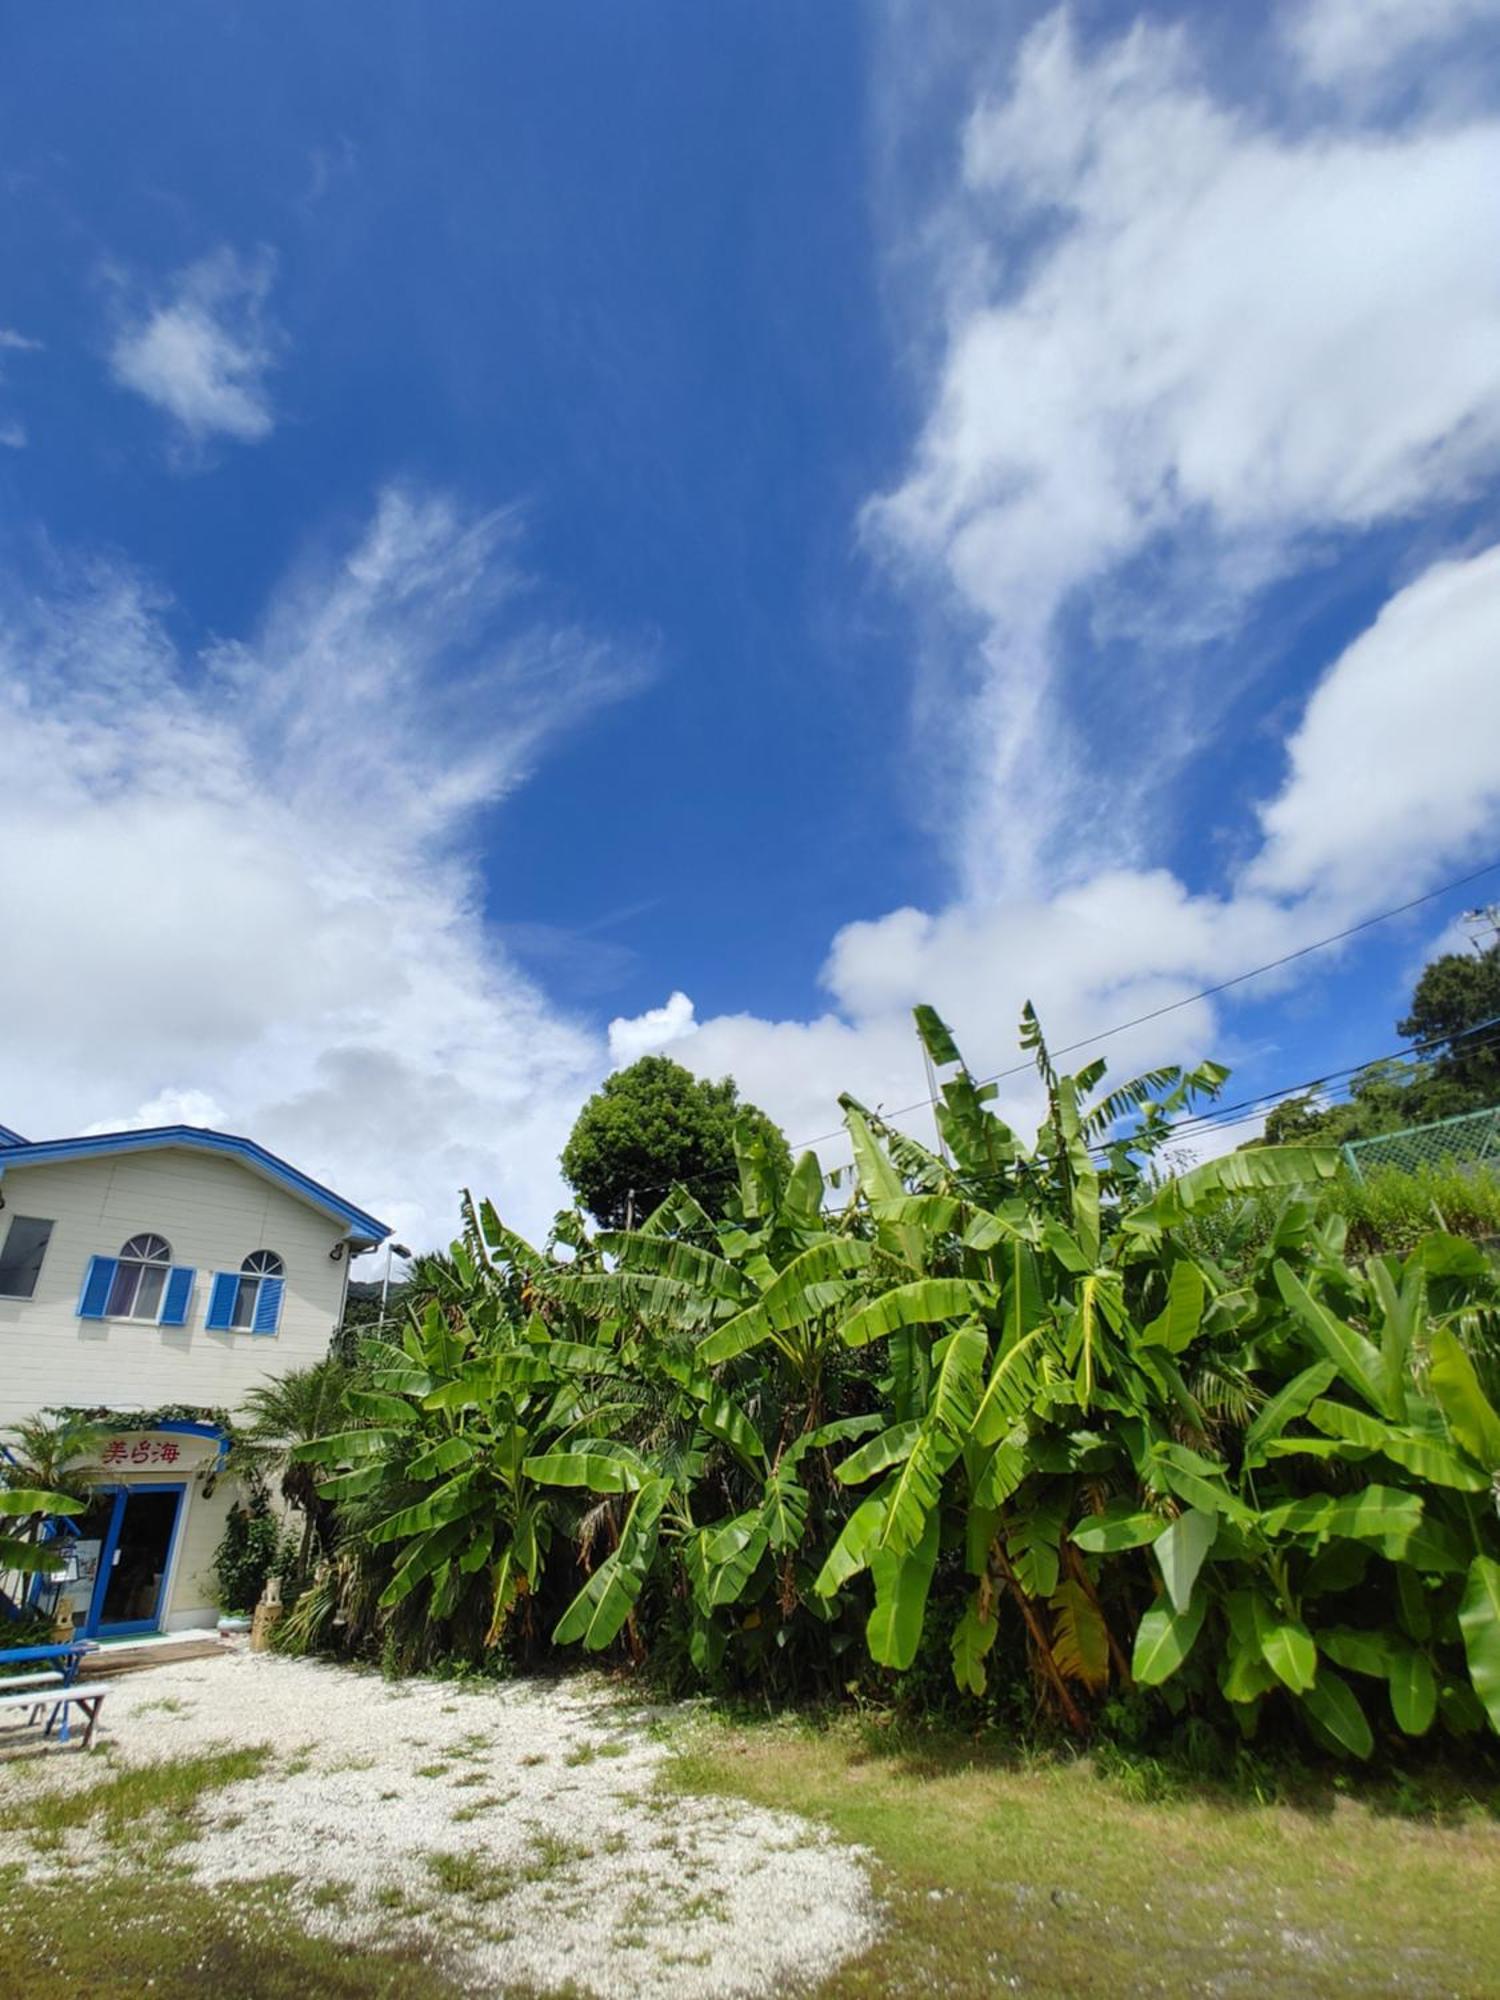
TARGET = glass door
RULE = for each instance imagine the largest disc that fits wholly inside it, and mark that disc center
(134, 1559)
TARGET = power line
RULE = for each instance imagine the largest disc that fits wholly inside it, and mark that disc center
(1207, 993)
(1140, 1020)
(1253, 1107)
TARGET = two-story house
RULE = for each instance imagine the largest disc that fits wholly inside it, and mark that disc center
(159, 1275)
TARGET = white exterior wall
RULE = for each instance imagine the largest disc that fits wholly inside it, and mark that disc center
(213, 1212)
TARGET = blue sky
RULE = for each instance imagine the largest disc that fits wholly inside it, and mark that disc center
(511, 516)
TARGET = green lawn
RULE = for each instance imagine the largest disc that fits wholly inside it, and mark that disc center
(1051, 1879)
(148, 1928)
(997, 1874)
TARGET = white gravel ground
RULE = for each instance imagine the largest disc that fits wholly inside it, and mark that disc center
(517, 1829)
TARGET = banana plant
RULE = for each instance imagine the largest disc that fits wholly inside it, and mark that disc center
(1028, 1353)
(25, 1549)
(446, 1422)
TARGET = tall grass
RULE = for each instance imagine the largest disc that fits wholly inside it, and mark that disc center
(1387, 1213)
(1391, 1210)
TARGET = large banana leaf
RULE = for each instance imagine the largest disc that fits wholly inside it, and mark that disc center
(1176, 1325)
(892, 1447)
(1286, 1646)
(428, 1554)
(723, 1418)
(1471, 1417)
(602, 1467)
(444, 1456)
(1285, 1406)
(1261, 1168)
(1164, 1639)
(1334, 1704)
(855, 1545)
(894, 1629)
(600, 1609)
(1357, 1359)
(812, 1282)
(453, 1501)
(1180, 1551)
(1426, 1456)
(1011, 1387)
(973, 1637)
(1479, 1621)
(924, 1302)
(643, 1252)
(24, 1501)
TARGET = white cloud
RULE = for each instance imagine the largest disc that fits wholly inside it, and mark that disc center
(1392, 778)
(170, 1107)
(1338, 41)
(1396, 758)
(245, 892)
(631, 1037)
(1223, 344)
(1183, 352)
(13, 436)
(203, 351)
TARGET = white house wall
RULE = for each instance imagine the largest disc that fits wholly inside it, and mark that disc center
(213, 1211)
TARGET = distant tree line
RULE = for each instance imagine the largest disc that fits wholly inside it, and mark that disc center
(1454, 1024)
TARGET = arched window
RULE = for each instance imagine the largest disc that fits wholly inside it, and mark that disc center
(139, 1277)
(257, 1267)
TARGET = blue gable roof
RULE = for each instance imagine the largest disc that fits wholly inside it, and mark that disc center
(364, 1231)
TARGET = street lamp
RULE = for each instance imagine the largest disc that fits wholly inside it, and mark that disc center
(392, 1249)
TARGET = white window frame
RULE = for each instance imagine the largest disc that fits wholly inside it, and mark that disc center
(156, 1265)
(254, 1269)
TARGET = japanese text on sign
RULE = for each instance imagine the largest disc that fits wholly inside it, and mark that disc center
(145, 1451)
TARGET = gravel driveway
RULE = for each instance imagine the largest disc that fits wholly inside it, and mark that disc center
(517, 1828)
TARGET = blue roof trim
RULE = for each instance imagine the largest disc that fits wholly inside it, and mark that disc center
(363, 1228)
(9, 1138)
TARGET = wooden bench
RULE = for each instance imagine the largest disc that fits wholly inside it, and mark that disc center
(47, 1691)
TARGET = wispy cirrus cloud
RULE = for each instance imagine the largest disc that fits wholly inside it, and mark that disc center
(202, 349)
(249, 893)
(13, 433)
(1338, 43)
(1184, 348)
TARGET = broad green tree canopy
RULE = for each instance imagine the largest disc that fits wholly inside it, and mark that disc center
(654, 1124)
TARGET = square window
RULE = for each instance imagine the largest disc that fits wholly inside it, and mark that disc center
(21, 1260)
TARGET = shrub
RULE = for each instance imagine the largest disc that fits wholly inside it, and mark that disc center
(1019, 1427)
(247, 1554)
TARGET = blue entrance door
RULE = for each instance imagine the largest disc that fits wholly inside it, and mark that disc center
(135, 1557)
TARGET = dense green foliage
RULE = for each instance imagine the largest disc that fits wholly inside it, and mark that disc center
(37, 1485)
(281, 1413)
(656, 1125)
(249, 1550)
(1385, 1212)
(1455, 1066)
(1024, 1413)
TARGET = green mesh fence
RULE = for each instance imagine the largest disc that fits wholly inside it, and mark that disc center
(1470, 1140)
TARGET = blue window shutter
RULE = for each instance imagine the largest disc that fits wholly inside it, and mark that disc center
(176, 1296)
(221, 1301)
(97, 1280)
(268, 1305)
